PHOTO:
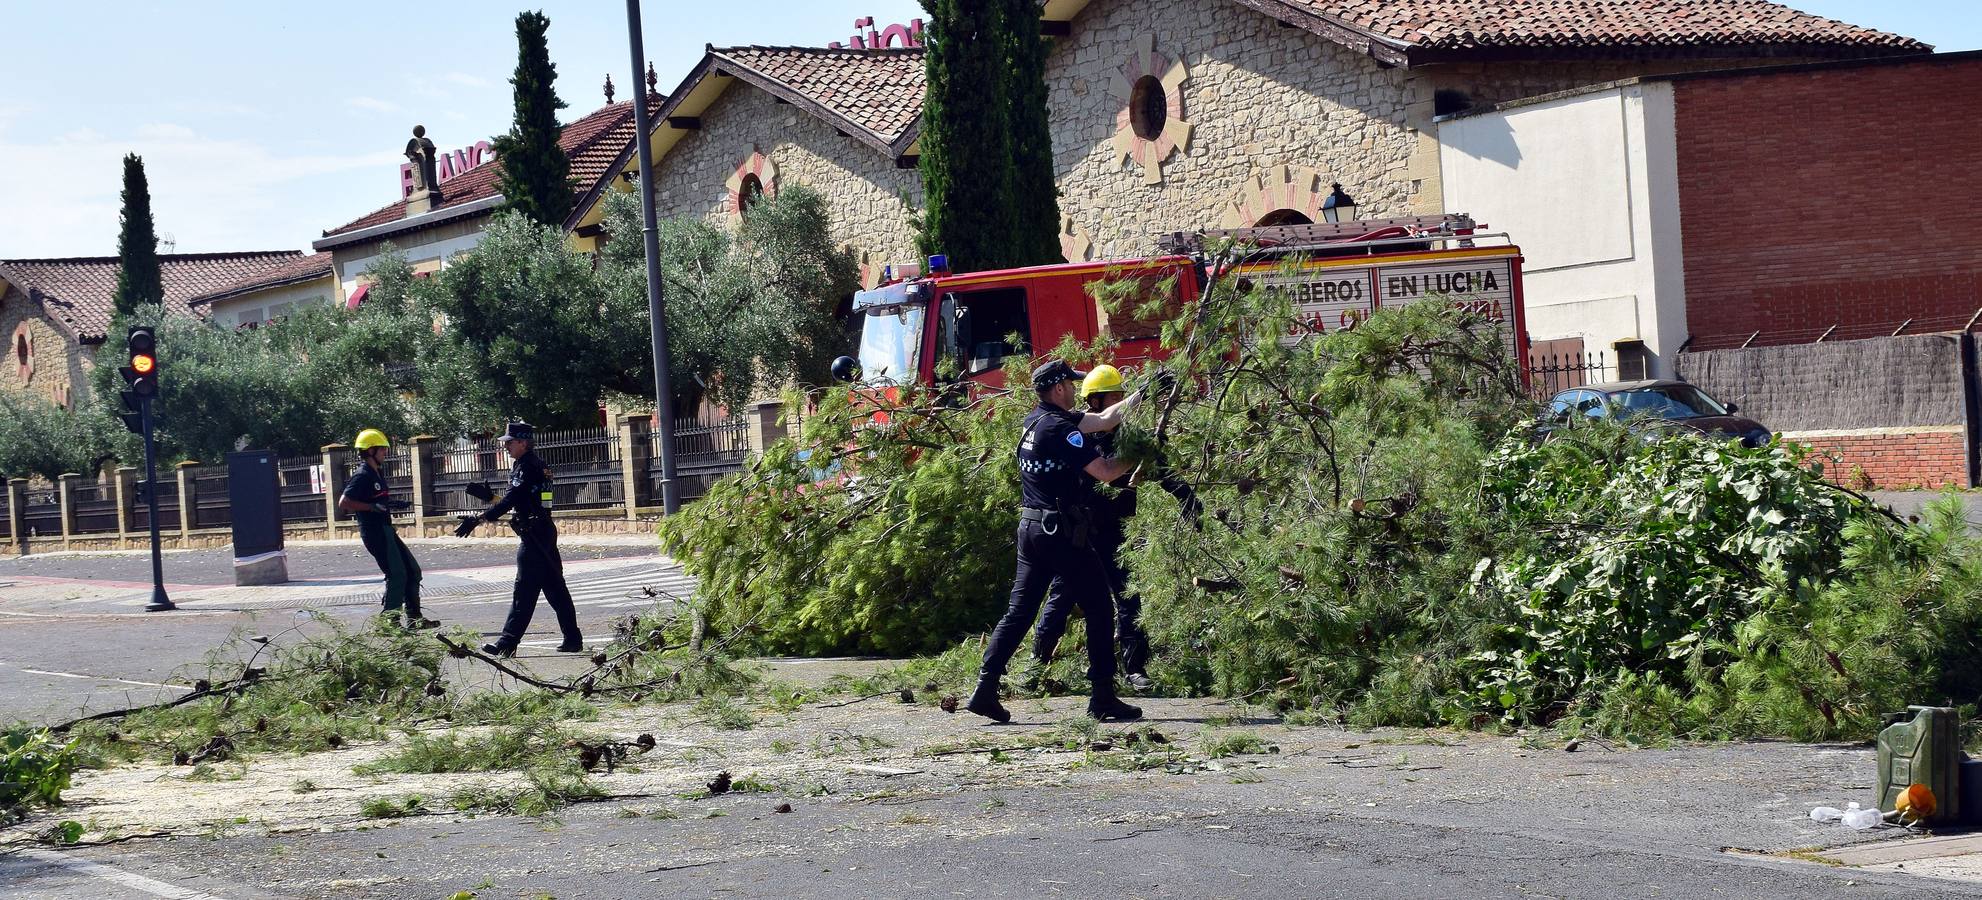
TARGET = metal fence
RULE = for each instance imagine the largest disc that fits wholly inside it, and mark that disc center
(588, 467)
(1549, 373)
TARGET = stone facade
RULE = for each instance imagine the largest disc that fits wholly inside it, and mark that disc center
(53, 367)
(862, 186)
(1257, 96)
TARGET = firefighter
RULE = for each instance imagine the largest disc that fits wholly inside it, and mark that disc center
(370, 502)
(1101, 389)
(539, 569)
(1058, 468)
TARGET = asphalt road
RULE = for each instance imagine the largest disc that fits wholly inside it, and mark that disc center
(73, 639)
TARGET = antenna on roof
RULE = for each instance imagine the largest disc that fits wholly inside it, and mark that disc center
(167, 243)
(608, 88)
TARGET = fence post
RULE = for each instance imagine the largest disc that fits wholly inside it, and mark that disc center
(127, 498)
(189, 499)
(767, 430)
(64, 488)
(333, 480)
(629, 472)
(17, 514)
(423, 477)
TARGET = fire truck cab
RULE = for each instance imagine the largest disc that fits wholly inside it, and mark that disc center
(961, 325)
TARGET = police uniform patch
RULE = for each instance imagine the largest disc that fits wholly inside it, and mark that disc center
(1074, 438)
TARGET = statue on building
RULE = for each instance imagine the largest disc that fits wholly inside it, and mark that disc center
(420, 151)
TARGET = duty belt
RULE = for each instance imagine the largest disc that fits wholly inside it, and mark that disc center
(1035, 514)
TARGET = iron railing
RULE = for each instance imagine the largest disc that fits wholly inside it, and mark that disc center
(1550, 373)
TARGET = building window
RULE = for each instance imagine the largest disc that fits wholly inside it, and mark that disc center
(1285, 217)
(750, 194)
(1446, 101)
(24, 352)
(1149, 107)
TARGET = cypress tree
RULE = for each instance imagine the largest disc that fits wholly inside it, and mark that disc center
(966, 142)
(536, 174)
(1035, 192)
(138, 277)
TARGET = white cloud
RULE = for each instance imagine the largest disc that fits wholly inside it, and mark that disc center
(465, 80)
(212, 194)
(374, 104)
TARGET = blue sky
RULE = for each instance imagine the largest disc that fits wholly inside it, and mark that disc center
(262, 124)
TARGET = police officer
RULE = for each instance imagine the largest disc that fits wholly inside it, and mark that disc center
(539, 569)
(1058, 467)
(370, 502)
(1101, 389)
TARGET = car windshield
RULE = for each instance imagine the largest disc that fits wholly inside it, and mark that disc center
(1670, 401)
(891, 344)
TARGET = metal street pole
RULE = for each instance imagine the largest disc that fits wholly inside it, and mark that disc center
(656, 310)
(159, 602)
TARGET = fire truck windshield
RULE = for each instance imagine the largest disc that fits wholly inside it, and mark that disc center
(891, 344)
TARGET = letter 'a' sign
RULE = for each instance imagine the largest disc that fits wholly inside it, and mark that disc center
(449, 166)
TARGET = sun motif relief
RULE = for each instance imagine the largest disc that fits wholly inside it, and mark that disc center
(1076, 245)
(1150, 124)
(1271, 195)
(754, 179)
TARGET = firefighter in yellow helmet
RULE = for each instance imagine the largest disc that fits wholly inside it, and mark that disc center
(1102, 388)
(369, 501)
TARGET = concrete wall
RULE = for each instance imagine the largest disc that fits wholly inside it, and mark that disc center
(1892, 411)
(1830, 197)
(59, 368)
(862, 186)
(428, 250)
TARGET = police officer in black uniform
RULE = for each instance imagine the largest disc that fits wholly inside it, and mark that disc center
(539, 569)
(1058, 468)
(1103, 388)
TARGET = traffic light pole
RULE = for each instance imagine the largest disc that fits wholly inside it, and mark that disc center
(159, 602)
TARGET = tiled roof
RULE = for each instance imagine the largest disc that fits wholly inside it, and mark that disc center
(78, 293)
(288, 271)
(592, 143)
(1586, 24)
(879, 91)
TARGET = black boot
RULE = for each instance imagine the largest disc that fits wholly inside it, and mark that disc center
(984, 700)
(417, 622)
(1104, 706)
(497, 649)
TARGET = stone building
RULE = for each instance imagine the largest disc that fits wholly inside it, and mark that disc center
(1178, 114)
(270, 296)
(54, 312)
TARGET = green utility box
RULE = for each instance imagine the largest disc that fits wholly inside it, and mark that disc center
(1922, 746)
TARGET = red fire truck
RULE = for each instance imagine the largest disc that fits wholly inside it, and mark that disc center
(912, 328)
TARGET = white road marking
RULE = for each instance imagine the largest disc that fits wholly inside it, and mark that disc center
(599, 641)
(176, 687)
(132, 880)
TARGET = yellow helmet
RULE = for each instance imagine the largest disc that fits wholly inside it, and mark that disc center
(1104, 379)
(369, 438)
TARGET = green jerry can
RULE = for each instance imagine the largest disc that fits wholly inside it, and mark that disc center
(1922, 746)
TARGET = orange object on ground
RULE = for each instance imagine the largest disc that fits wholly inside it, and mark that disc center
(1915, 803)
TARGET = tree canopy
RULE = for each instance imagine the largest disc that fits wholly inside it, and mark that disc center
(139, 281)
(536, 174)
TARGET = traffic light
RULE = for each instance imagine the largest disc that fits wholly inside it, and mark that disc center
(140, 377)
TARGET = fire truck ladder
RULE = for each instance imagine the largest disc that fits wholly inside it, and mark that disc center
(1364, 236)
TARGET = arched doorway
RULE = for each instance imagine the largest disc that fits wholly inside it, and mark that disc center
(1284, 216)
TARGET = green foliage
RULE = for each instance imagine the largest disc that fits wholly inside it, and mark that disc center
(34, 770)
(317, 378)
(511, 746)
(38, 438)
(536, 173)
(884, 539)
(140, 283)
(1034, 192)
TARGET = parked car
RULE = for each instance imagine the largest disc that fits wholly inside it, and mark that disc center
(1655, 406)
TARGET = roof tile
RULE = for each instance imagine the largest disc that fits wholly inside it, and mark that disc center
(1474, 24)
(79, 292)
(877, 90)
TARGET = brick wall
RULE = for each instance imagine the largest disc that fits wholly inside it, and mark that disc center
(1826, 196)
(1892, 459)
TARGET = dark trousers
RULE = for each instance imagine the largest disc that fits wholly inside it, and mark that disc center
(402, 572)
(539, 570)
(1129, 636)
(1045, 559)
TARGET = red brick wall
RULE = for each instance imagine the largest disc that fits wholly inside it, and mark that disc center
(1933, 459)
(1830, 196)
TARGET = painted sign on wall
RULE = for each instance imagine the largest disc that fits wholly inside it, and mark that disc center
(449, 166)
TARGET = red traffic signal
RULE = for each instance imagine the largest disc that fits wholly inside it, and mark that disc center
(142, 373)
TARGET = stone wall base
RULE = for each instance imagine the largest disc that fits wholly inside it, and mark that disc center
(611, 523)
(1892, 459)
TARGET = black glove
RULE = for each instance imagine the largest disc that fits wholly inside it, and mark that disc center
(480, 491)
(467, 526)
(1164, 382)
(385, 505)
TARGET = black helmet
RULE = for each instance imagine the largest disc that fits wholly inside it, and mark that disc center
(519, 431)
(846, 368)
